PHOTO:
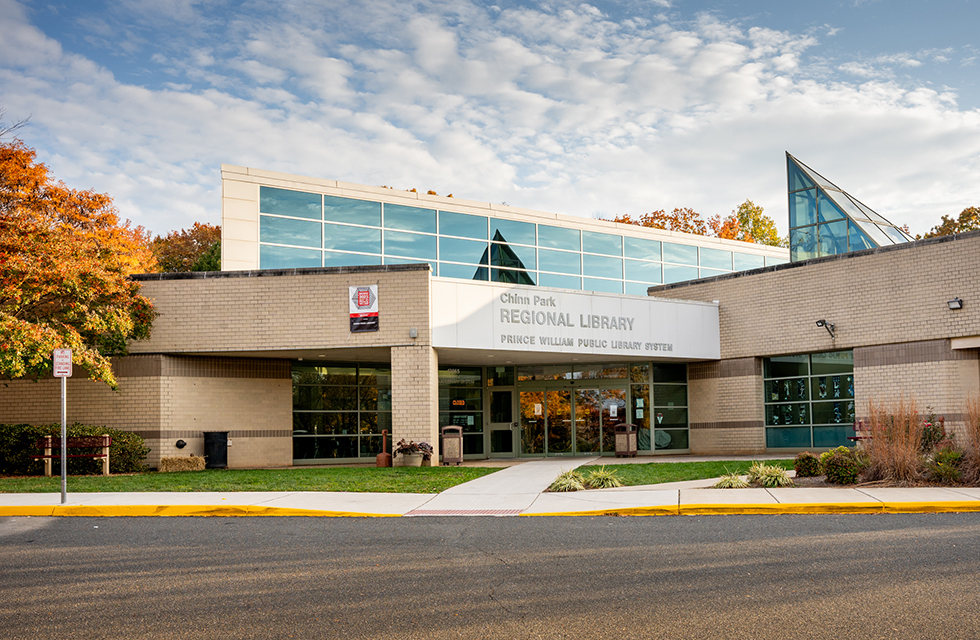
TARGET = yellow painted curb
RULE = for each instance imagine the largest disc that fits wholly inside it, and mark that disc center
(953, 506)
(116, 511)
(778, 508)
(25, 511)
(666, 510)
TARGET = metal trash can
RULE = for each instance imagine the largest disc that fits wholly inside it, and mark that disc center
(625, 440)
(452, 445)
(216, 449)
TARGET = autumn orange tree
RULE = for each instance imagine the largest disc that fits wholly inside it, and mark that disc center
(194, 249)
(968, 220)
(747, 223)
(65, 259)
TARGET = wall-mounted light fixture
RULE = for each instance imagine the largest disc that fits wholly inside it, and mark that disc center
(180, 444)
(829, 326)
(954, 304)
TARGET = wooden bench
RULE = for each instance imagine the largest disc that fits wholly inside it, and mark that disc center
(860, 433)
(48, 443)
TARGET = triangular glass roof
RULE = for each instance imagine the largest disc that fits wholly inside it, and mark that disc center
(813, 236)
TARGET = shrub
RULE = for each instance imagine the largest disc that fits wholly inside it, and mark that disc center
(842, 466)
(945, 465)
(933, 434)
(602, 478)
(568, 481)
(126, 455)
(182, 463)
(894, 449)
(730, 481)
(807, 465)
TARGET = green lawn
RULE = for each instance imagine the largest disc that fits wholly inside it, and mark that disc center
(361, 479)
(655, 472)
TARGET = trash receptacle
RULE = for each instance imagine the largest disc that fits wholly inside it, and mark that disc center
(216, 449)
(452, 445)
(626, 440)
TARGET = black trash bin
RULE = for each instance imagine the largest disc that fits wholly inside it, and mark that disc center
(216, 449)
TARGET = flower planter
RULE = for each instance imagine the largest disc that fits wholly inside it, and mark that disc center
(408, 460)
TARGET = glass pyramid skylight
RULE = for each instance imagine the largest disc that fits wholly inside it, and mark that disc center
(825, 220)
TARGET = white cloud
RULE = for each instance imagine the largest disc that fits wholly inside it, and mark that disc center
(558, 109)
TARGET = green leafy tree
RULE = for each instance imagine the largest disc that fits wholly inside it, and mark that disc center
(210, 260)
(968, 220)
(65, 259)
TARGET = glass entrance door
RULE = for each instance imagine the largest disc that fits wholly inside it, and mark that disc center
(566, 421)
(503, 429)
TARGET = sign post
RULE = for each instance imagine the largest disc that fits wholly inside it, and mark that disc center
(62, 369)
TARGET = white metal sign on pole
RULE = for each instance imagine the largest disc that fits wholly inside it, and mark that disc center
(62, 369)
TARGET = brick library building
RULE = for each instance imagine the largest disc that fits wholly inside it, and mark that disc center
(344, 310)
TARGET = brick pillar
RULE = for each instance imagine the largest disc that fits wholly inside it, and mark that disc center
(415, 395)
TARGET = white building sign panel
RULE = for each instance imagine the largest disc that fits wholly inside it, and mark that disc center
(534, 319)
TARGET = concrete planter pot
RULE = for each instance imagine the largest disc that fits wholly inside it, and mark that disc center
(408, 460)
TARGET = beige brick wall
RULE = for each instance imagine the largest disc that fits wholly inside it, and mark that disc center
(415, 395)
(726, 407)
(873, 298)
(268, 313)
(165, 399)
(889, 307)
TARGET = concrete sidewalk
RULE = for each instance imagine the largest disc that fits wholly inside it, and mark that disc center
(517, 490)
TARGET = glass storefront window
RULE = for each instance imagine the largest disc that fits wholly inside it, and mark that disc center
(643, 271)
(603, 286)
(512, 232)
(674, 273)
(809, 400)
(462, 225)
(283, 202)
(343, 237)
(409, 245)
(336, 209)
(271, 257)
(641, 248)
(457, 250)
(715, 258)
(560, 261)
(301, 233)
(603, 243)
(461, 404)
(339, 410)
(559, 238)
(398, 216)
(681, 253)
(500, 377)
(602, 266)
(745, 261)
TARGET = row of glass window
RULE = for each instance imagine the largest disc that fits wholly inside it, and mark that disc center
(809, 400)
(299, 219)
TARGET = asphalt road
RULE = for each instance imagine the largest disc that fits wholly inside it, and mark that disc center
(754, 577)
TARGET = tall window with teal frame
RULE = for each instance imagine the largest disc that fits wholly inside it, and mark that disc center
(809, 400)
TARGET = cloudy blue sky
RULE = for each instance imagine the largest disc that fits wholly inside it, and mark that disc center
(589, 109)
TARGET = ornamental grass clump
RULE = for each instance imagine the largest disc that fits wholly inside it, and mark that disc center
(894, 450)
(970, 465)
(568, 481)
(944, 466)
(806, 465)
(730, 481)
(602, 478)
(768, 475)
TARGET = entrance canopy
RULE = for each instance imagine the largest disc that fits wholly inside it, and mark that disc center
(495, 323)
